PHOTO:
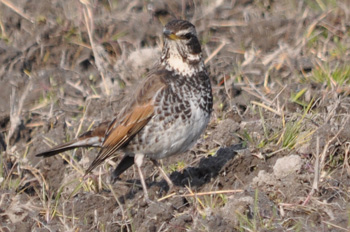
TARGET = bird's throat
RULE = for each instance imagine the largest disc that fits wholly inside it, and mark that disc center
(184, 66)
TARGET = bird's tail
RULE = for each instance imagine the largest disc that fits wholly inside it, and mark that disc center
(92, 138)
(87, 142)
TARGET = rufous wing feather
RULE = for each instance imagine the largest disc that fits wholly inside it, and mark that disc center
(120, 133)
(132, 119)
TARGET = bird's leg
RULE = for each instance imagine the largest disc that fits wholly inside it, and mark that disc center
(138, 161)
(162, 172)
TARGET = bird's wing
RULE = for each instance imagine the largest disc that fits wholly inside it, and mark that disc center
(132, 119)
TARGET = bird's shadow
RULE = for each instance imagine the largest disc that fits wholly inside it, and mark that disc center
(207, 169)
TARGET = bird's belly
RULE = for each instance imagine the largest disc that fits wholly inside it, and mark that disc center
(162, 138)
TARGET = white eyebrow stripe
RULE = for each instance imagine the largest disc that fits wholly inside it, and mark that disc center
(184, 32)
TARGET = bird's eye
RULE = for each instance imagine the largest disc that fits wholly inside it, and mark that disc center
(188, 36)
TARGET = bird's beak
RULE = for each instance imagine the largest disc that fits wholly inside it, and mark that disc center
(169, 34)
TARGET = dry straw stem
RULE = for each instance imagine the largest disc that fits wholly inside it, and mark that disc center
(116, 198)
(215, 52)
(317, 172)
(192, 194)
(319, 164)
(9, 174)
(17, 10)
(228, 23)
(212, 193)
(335, 226)
(16, 110)
(38, 176)
(266, 107)
(124, 221)
(325, 149)
(88, 17)
(346, 158)
(313, 25)
(82, 119)
(254, 91)
(75, 165)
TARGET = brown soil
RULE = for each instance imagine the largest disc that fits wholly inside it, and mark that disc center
(54, 87)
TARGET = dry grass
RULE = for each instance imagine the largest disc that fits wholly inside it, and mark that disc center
(280, 70)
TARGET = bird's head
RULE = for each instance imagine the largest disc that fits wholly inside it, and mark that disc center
(182, 51)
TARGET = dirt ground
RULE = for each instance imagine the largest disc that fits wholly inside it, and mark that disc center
(275, 156)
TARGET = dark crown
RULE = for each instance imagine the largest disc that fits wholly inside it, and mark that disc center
(181, 30)
(178, 25)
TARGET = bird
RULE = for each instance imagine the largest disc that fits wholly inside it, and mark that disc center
(166, 114)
